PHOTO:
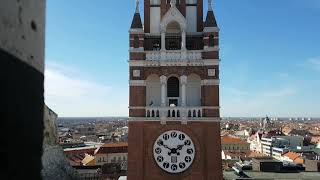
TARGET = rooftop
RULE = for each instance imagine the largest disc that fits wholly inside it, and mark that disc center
(230, 175)
(115, 145)
(232, 140)
(292, 155)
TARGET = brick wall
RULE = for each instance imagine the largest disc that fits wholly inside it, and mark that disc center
(205, 135)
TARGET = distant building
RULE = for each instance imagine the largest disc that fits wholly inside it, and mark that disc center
(292, 157)
(112, 153)
(298, 132)
(312, 165)
(229, 143)
(88, 160)
(266, 165)
(268, 143)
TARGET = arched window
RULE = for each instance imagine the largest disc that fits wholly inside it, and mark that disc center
(211, 41)
(173, 87)
(136, 42)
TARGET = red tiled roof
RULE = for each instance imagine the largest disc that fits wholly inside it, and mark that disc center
(118, 144)
(232, 140)
(292, 155)
(120, 147)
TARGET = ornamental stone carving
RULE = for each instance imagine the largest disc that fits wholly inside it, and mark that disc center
(172, 15)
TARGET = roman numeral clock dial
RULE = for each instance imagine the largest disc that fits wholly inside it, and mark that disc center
(174, 151)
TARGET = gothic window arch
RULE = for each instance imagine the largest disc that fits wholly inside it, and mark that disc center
(211, 41)
(136, 42)
(173, 87)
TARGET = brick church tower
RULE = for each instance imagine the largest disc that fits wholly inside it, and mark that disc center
(174, 124)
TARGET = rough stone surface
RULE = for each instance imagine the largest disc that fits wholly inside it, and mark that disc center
(50, 130)
(22, 30)
(55, 165)
(54, 162)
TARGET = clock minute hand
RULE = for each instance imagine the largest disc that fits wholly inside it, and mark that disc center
(167, 147)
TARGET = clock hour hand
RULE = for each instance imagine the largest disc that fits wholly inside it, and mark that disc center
(179, 147)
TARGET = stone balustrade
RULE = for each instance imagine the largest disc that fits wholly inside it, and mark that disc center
(173, 55)
(173, 112)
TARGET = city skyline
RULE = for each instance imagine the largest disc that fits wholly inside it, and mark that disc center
(270, 62)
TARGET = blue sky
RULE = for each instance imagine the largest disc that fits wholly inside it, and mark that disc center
(270, 57)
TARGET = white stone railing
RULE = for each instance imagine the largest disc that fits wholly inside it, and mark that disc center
(173, 112)
(173, 55)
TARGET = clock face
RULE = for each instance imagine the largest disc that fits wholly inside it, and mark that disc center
(174, 151)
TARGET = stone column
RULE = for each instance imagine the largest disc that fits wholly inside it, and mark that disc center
(183, 43)
(163, 41)
(163, 82)
(183, 81)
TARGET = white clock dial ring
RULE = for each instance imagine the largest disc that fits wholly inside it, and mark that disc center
(174, 151)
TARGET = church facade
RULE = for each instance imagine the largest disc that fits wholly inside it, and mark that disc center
(174, 109)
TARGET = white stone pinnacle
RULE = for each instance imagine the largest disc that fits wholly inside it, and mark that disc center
(173, 3)
(137, 6)
(209, 5)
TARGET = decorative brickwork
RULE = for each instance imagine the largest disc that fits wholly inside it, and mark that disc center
(210, 55)
(137, 113)
(202, 71)
(210, 95)
(137, 56)
(137, 96)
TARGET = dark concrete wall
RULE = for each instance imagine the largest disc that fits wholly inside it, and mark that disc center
(22, 101)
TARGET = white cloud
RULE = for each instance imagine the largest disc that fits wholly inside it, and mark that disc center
(70, 94)
(287, 91)
(315, 63)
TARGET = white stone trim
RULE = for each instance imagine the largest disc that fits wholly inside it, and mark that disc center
(173, 14)
(137, 83)
(211, 107)
(206, 37)
(136, 73)
(137, 107)
(211, 62)
(203, 107)
(202, 119)
(211, 29)
(140, 49)
(210, 82)
(136, 31)
(146, 63)
(211, 72)
(136, 63)
(214, 48)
